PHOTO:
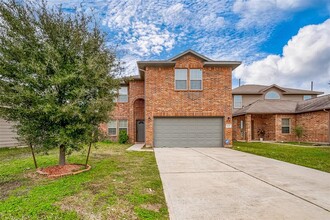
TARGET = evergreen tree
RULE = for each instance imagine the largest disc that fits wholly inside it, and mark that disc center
(57, 77)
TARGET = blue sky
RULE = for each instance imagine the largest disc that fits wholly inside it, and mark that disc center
(279, 41)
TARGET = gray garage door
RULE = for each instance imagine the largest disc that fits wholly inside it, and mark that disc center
(188, 132)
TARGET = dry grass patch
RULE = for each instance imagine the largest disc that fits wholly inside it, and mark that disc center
(120, 185)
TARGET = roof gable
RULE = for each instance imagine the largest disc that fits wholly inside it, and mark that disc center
(273, 86)
(190, 52)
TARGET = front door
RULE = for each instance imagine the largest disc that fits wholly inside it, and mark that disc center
(140, 131)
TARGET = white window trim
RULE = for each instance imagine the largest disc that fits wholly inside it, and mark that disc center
(187, 73)
(119, 94)
(309, 97)
(188, 80)
(286, 126)
(196, 80)
(117, 127)
(112, 135)
(279, 96)
(241, 103)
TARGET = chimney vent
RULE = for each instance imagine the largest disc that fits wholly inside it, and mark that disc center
(312, 85)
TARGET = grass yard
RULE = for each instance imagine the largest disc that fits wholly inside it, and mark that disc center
(313, 157)
(120, 185)
(305, 144)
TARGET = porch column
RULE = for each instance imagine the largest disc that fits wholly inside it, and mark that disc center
(248, 136)
(277, 127)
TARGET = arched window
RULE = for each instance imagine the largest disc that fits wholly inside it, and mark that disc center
(272, 95)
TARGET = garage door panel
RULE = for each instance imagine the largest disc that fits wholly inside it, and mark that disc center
(188, 132)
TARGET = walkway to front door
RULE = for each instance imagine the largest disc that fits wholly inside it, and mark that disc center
(218, 183)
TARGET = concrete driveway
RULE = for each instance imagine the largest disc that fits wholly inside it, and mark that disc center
(219, 183)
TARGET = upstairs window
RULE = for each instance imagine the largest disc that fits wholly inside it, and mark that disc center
(285, 126)
(196, 78)
(181, 79)
(272, 95)
(123, 94)
(112, 128)
(306, 97)
(237, 101)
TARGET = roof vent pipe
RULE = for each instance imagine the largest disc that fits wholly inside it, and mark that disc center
(239, 82)
(312, 85)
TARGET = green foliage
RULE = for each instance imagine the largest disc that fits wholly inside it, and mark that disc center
(123, 137)
(299, 131)
(57, 77)
(313, 157)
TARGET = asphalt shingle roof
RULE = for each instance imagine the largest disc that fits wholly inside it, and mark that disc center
(259, 89)
(285, 106)
(316, 104)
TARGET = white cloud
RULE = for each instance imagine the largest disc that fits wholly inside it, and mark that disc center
(269, 12)
(220, 29)
(305, 58)
(145, 39)
(212, 21)
(176, 14)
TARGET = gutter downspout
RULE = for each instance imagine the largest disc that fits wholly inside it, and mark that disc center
(328, 124)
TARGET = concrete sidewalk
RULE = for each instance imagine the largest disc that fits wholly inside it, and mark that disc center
(138, 147)
(218, 183)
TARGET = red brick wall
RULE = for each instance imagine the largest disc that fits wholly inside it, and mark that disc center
(139, 109)
(278, 124)
(136, 107)
(265, 122)
(316, 126)
(121, 111)
(163, 100)
(238, 133)
(127, 110)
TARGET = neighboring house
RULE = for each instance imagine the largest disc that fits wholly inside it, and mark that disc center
(8, 134)
(185, 101)
(273, 112)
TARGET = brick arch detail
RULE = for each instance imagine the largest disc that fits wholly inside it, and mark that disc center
(138, 107)
(136, 91)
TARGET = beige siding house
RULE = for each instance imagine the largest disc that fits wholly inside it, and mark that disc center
(8, 134)
(247, 94)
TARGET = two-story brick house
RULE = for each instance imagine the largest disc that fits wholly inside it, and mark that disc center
(273, 112)
(185, 101)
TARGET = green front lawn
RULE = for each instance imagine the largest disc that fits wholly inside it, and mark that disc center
(120, 185)
(306, 144)
(313, 157)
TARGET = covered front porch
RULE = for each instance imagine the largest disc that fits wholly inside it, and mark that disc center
(263, 127)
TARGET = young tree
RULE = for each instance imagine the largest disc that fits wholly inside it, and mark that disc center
(299, 131)
(57, 77)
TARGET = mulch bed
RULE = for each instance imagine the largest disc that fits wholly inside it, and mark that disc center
(67, 169)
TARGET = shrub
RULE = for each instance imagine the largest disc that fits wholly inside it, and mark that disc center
(123, 137)
(106, 141)
(299, 131)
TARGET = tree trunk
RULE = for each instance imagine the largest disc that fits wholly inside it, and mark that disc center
(89, 151)
(34, 158)
(62, 155)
